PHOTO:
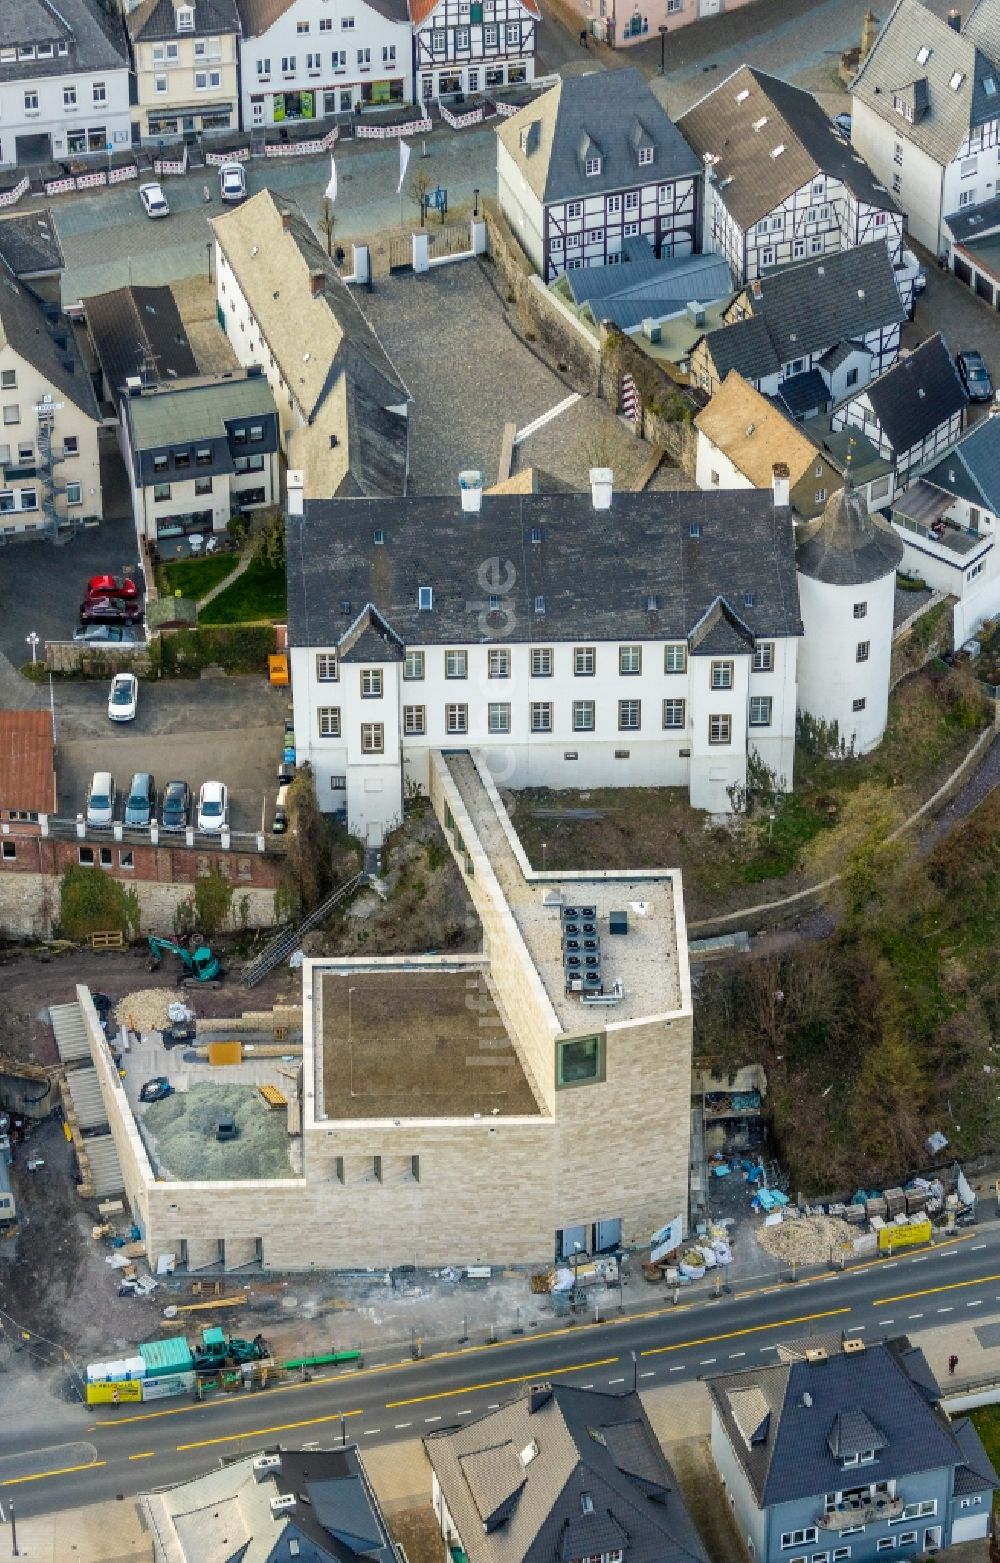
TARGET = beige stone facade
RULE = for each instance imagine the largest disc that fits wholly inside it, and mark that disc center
(476, 1172)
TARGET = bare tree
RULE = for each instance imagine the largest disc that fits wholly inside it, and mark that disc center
(420, 185)
(328, 223)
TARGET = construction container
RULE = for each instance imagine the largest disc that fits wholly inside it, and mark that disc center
(225, 1052)
(162, 1357)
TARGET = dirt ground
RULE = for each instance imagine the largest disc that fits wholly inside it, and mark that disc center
(417, 1530)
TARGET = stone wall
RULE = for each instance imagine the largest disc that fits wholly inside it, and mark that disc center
(98, 660)
(29, 906)
(668, 408)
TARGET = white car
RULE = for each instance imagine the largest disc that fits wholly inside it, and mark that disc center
(154, 202)
(124, 697)
(101, 800)
(232, 182)
(213, 806)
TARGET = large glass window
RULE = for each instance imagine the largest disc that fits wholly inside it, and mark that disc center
(580, 1061)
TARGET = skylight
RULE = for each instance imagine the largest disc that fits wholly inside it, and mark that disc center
(956, 81)
(759, 124)
(990, 86)
(923, 54)
(528, 1453)
(743, 94)
(777, 151)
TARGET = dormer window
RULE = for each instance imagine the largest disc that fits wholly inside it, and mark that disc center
(425, 599)
(860, 1457)
(645, 155)
(185, 19)
(592, 166)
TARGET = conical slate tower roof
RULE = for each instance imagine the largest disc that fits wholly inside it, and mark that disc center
(847, 545)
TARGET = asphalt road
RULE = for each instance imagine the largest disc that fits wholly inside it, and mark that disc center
(93, 1454)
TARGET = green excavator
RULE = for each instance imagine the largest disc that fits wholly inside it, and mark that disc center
(199, 967)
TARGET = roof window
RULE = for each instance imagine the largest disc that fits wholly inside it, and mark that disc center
(748, 599)
(425, 598)
(759, 124)
(528, 1453)
(743, 94)
(777, 151)
(990, 86)
(694, 530)
(539, 604)
(378, 537)
(923, 54)
(956, 80)
(345, 607)
(536, 534)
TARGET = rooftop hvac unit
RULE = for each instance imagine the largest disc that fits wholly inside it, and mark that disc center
(589, 927)
(283, 1501)
(571, 946)
(569, 913)
(651, 330)
(264, 1465)
(588, 912)
(618, 922)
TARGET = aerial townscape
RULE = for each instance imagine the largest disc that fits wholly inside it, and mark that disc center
(499, 781)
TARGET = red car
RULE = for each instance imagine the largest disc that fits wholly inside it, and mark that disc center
(108, 586)
(109, 610)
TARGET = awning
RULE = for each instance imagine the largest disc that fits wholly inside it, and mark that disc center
(170, 110)
(923, 503)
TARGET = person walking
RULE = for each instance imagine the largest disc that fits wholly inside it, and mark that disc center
(952, 1365)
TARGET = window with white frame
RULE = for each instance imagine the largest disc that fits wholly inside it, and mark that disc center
(99, 92)
(490, 35)
(763, 656)
(498, 717)
(372, 738)
(371, 683)
(629, 659)
(456, 718)
(645, 155)
(629, 716)
(498, 662)
(456, 664)
(584, 661)
(673, 713)
(799, 1538)
(414, 721)
(329, 721)
(675, 659)
(74, 493)
(631, 200)
(513, 35)
(574, 209)
(863, 651)
(720, 731)
(263, 69)
(760, 710)
(583, 716)
(326, 667)
(722, 675)
(541, 716)
(541, 661)
(614, 205)
(592, 166)
(413, 665)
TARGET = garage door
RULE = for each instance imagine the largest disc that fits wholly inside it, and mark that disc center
(984, 288)
(970, 1528)
(33, 149)
(963, 271)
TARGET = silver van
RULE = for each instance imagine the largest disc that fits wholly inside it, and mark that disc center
(279, 824)
(101, 799)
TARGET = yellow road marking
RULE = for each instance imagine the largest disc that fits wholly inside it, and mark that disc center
(261, 1432)
(63, 1470)
(147, 1454)
(497, 1383)
(753, 1329)
(928, 1291)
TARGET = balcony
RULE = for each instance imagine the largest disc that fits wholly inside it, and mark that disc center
(861, 1511)
(919, 514)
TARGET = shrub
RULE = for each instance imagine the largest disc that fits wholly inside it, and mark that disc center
(90, 901)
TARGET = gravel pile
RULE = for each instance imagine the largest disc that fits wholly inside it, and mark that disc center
(147, 1008)
(806, 1239)
(183, 1131)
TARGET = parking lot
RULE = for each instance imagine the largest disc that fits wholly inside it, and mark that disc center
(224, 729)
(964, 321)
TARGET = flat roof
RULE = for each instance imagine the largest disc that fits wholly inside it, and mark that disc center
(166, 415)
(412, 1040)
(985, 252)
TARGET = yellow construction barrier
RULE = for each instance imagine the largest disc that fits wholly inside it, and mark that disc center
(103, 1393)
(892, 1237)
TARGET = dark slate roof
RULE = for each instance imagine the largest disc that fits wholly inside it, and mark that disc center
(847, 545)
(337, 1513)
(129, 325)
(975, 222)
(29, 244)
(641, 285)
(971, 469)
(596, 1481)
(741, 123)
(917, 394)
(982, 27)
(610, 112)
(745, 346)
(47, 343)
(94, 36)
(152, 19)
(803, 394)
(943, 115)
(594, 570)
(977, 1473)
(808, 1400)
(812, 304)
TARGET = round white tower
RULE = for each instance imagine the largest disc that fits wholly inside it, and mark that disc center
(846, 565)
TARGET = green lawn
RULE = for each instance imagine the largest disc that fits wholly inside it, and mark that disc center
(194, 577)
(986, 1420)
(259, 594)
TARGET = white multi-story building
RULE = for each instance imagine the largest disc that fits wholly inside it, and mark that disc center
(781, 183)
(592, 162)
(577, 640)
(64, 81)
(472, 46)
(926, 113)
(312, 59)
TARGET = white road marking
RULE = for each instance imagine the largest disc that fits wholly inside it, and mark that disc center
(678, 1369)
(313, 1445)
(546, 417)
(616, 1381)
(915, 1316)
(707, 1361)
(371, 1431)
(886, 1321)
(851, 1327)
(404, 1424)
(650, 1374)
(586, 1386)
(890, 1264)
(974, 1249)
(463, 1413)
(921, 1261)
(978, 1304)
(432, 1419)
(734, 1354)
(494, 1407)
(767, 1348)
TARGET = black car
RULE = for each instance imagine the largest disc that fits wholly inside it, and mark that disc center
(975, 375)
(140, 805)
(175, 805)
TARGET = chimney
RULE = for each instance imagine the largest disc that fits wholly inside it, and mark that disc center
(781, 485)
(954, 20)
(538, 1396)
(602, 481)
(286, 221)
(296, 496)
(470, 486)
(317, 280)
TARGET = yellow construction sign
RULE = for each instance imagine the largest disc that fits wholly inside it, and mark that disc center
(892, 1237)
(103, 1393)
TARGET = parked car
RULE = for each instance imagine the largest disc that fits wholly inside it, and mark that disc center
(110, 586)
(109, 610)
(102, 634)
(279, 824)
(154, 202)
(232, 182)
(175, 805)
(920, 281)
(843, 124)
(140, 805)
(975, 375)
(101, 799)
(124, 697)
(213, 806)
(156, 1089)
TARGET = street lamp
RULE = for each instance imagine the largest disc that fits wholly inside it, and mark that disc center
(32, 640)
(577, 1247)
(475, 203)
(210, 246)
(663, 46)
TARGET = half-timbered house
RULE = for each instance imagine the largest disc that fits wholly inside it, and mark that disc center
(926, 112)
(914, 411)
(592, 162)
(472, 46)
(808, 334)
(781, 182)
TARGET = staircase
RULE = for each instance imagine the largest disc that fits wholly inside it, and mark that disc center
(288, 939)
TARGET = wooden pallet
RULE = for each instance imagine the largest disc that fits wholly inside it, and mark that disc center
(272, 1096)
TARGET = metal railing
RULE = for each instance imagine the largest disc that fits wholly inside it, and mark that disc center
(288, 939)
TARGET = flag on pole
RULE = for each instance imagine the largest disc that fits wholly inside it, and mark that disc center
(404, 162)
(331, 189)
